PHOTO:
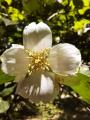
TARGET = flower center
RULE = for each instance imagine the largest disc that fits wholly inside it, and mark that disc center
(38, 60)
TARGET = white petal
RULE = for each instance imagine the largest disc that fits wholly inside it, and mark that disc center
(38, 87)
(65, 58)
(14, 61)
(37, 36)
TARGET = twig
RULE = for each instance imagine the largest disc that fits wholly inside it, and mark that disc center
(54, 14)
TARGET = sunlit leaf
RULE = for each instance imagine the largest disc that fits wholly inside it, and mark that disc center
(9, 2)
(86, 2)
(5, 78)
(79, 25)
(83, 88)
(64, 2)
(82, 11)
(4, 105)
(15, 14)
(86, 6)
(80, 83)
(7, 91)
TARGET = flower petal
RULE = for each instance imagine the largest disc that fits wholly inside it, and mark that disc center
(14, 61)
(37, 36)
(38, 87)
(65, 58)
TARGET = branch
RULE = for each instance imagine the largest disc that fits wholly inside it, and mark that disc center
(55, 14)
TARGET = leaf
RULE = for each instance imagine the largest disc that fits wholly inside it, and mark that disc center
(5, 78)
(82, 11)
(15, 14)
(9, 2)
(4, 105)
(80, 83)
(31, 6)
(79, 25)
(7, 91)
(49, 1)
(78, 3)
(83, 88)
(86, 3)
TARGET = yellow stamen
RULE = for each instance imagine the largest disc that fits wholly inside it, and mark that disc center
(38, 60)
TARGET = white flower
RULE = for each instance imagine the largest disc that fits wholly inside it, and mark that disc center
(36, 63)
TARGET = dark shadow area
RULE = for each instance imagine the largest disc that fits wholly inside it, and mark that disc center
(74, 109)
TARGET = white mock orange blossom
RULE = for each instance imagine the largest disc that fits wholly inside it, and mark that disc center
(36, 63)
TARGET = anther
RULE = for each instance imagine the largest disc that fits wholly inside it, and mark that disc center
(39, 61)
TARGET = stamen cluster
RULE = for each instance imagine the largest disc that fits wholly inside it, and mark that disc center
(38, 60)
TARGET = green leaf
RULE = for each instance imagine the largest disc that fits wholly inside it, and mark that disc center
(15, 14)
(83, 10)
(7, 91)
(49, 1)
(83, 88)
(5, 78)
(79, 25)
(9, 2)
(78, 3)
(80, 83)
(4, 105)
(31, 6)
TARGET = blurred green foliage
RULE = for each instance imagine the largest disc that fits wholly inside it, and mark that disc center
(69, 21)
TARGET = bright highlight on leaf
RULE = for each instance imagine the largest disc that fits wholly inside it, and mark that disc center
(9, 2)
(4, 105)
(15, 14)
(80, 83)
(83, 88)
(5, 78)
(79, 26)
